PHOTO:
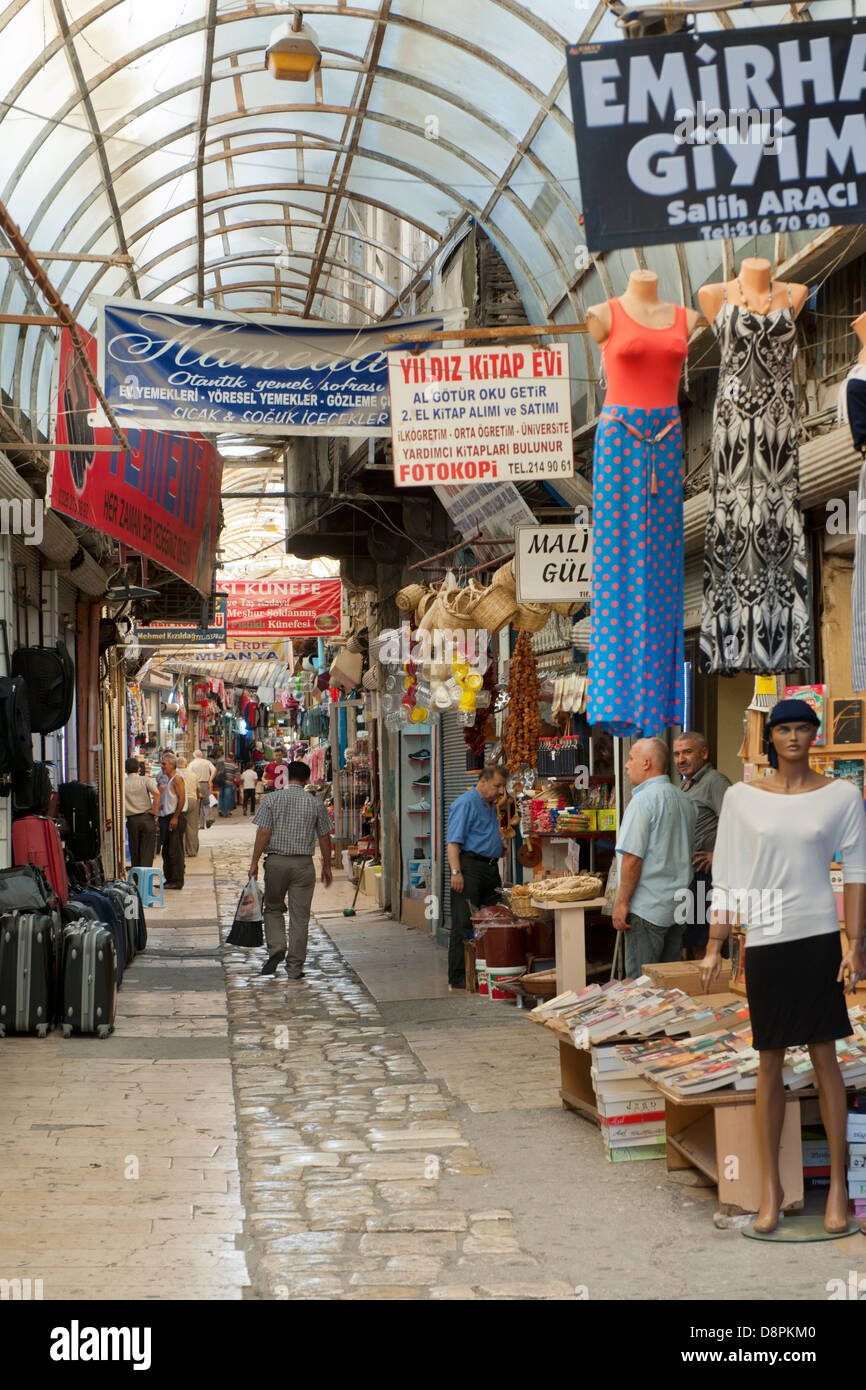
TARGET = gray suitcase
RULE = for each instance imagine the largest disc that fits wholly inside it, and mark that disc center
(27, 973)
(88, 980)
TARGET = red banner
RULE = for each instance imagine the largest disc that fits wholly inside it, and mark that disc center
(162, 500)
(284, 607)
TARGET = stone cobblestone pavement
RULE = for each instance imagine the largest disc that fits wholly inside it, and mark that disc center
(346, 1147)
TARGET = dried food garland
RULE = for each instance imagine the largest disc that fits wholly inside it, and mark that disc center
(523, 724)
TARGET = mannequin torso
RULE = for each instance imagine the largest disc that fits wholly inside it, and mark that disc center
(751, 290)
(641, 302)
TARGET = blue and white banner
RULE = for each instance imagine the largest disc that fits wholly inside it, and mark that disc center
(166, 368)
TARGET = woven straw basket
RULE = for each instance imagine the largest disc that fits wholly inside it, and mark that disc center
(567, 610)
(493, 608)
(503, 578)
(408, 599)
(457, 610)
(531, 617)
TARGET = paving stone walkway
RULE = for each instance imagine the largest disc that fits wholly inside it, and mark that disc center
(346, 1147)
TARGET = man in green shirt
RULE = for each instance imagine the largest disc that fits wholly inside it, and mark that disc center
(705, 787)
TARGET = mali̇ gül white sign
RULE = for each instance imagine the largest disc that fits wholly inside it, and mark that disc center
(481, 415)
(553, 564)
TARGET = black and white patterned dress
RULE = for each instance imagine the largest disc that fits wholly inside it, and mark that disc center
(755, 614)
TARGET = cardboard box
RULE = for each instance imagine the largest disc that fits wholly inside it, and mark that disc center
(686, 975)
(606, 820)
(413, 913)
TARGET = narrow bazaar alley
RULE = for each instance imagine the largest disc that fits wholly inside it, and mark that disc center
(358, 1134)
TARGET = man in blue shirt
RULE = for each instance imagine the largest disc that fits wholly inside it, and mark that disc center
(655, 847)
(474, 850)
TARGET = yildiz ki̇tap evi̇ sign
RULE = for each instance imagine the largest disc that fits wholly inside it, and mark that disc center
(481, 415)
(732, 134)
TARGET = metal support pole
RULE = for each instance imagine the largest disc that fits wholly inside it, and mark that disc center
(49, 293)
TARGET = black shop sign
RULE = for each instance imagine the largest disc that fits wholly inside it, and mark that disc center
(737, 134)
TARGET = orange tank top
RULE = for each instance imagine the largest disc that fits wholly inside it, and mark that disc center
(643, 365)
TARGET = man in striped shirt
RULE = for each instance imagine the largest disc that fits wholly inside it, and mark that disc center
(289, 822)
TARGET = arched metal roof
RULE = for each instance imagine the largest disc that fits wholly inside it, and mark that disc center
(149, 130)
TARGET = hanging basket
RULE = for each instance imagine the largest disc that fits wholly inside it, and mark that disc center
(370, 680)
(503, 578)
(493, 608)
(567, 610)
(426, 601)
(457, 611)
(531, 617)
(408, 599)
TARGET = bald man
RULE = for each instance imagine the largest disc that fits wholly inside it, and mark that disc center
(655, 847)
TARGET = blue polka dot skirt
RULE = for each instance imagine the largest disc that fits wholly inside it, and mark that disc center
(636, 653)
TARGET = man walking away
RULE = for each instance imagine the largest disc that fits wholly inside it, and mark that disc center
(224, 781)
(190, 833)
(289, 824)
(203, 770)
(654, 849)
(706, 787)
(474, 851)
(172, 804)
(249, 781)
(141, 803)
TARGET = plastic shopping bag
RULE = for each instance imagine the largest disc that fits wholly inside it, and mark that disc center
(610, 889)
(214, 801)
(247, 926)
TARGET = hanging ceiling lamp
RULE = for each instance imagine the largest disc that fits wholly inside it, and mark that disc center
(293, 54)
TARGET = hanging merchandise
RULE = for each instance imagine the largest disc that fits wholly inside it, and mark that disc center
(852, 410)
(636, 653)
(49, 674)
(755, 614)
(475, 736)
(523, 723)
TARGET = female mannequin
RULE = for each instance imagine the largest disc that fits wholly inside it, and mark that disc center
(635, 661)
(756, 581)
(780, 850)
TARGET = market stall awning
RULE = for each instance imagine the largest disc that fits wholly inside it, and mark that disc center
(248, 673)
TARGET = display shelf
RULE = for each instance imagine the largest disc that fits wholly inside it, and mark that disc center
(567, 834)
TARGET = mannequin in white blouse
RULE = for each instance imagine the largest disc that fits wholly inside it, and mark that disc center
(794, 776)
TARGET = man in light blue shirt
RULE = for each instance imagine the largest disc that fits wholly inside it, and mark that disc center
(474, 849)
(655, 848)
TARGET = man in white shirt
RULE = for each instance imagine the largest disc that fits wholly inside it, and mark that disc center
(191, 823)
(249, 780)
(203, 770)
(141, 803)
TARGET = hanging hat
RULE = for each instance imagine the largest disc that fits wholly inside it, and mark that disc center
(787, 712)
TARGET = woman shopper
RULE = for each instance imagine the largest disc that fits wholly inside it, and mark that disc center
(249, 781)
(771, 869)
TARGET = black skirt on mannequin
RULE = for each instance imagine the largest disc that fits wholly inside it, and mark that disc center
(794, 997)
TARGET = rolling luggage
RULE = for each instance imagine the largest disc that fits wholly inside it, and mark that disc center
(127, 894)
(27, 973)
(109, 917)
(88, 980)
(36, 840)
(79, 806)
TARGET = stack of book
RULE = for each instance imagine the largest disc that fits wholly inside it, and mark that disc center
(857, 1161)
(816, 1158)
(631, 1112)
(692, 1066)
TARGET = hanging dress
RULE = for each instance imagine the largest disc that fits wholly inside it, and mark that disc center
(636, 652)
(755, 614)
(852, 411)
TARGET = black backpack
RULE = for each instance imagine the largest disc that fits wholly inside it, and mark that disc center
(50, 676)
(32, 791)
(79, 806)
(16, 746)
